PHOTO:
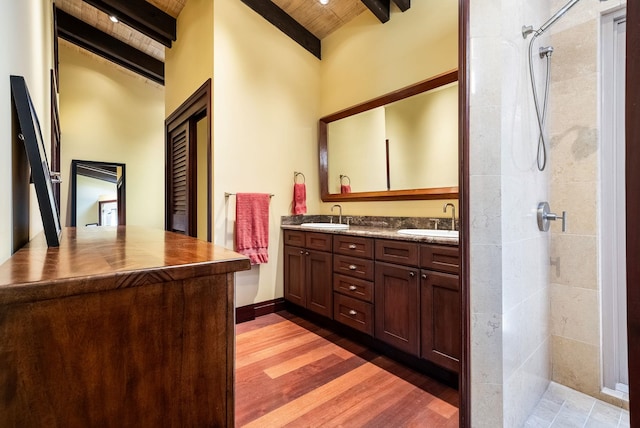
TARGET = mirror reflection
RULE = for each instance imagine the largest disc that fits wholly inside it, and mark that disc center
(408, 144)
(97, 193)
(406, 141)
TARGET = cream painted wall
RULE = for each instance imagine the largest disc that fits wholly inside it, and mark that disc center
(265, 108)
(109, 114)
(357, 149)
(423, 140)
(364, 59)
(189, 63)
(90, 191)
(26, 50)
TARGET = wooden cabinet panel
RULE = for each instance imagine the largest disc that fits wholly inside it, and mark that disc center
(318, 241)
(352, 266)
(440, 257)
(307, 272)
(295, 238)
(397, 307)
(400, 252)
(294, 275)
(319, 290)
(354, 313)
(353, 287)
(441, 320)
(353, 246)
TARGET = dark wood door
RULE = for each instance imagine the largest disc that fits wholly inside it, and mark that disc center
(397, 307)
(319, 287)
(294, 275)
(179, 202)
(440, 319)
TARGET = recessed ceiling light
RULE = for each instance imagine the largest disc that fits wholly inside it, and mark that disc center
(113, 18)
(324, 1)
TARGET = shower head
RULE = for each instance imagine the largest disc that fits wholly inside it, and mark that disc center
(528, 29)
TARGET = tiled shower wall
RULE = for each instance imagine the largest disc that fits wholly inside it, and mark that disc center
(509, 256)
(575, 149)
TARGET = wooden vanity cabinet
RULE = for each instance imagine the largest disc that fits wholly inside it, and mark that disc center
(397, 308)
(308, 270)
(353, 276)
(440, 323)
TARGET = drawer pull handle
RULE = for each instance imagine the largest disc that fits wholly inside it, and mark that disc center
(352, 287)
(353, 267)
(352, 246)
(352, 312)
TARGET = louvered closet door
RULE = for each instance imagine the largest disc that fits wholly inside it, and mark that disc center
(178, 180)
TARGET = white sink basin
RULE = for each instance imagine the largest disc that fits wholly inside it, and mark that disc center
(430, 232)
(326, 226)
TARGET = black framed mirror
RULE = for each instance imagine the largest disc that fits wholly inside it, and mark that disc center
(98, 193)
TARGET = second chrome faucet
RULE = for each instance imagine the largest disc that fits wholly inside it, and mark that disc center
(453, 214)
(339, 213)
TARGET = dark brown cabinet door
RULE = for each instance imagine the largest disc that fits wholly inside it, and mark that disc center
(319, 287)
(440, 319)
(294, 275)
(397, 307)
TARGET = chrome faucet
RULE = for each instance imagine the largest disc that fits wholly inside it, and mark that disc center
(453, 214)
(340, 212)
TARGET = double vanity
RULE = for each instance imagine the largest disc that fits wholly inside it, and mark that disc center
(397, 286)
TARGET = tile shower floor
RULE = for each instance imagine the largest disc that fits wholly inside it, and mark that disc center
(564, 407)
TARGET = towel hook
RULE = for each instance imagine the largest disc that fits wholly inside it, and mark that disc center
(342, 176)
(296, 174)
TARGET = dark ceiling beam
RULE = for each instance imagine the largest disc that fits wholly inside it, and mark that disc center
(403, 5)
(84, 35)
(104, 173)
(142, 16)
(380, 8)
(285, 23)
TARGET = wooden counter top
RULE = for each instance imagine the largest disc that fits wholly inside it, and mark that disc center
(92, 259)
(121, 326)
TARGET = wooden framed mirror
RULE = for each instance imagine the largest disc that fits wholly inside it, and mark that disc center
(92, 185)
(382, 146)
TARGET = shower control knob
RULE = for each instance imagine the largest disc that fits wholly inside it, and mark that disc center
(545, 215)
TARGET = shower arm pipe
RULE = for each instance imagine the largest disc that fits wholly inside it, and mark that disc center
(529, 29)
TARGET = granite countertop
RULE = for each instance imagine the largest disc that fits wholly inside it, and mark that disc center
(376, 227)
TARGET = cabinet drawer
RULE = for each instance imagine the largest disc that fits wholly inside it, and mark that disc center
(353, 246)
(353, 266)
(294, 237)
(353, 312)
(400, 252)
(353, 287)
(318, 241)
(439, 257)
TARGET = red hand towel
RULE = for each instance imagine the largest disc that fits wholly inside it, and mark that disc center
(252, 226)
(345, 188)
(299, 198)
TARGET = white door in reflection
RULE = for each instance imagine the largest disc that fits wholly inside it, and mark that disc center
(108, 213)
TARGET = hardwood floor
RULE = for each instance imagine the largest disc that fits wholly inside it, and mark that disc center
(292, 373)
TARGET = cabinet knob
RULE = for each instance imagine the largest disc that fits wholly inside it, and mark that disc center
(412, 274)
(353, 267)
(301, 252)
(352, 246)
(306, 253)
(424, 276)
(352, 312)
(352, 287)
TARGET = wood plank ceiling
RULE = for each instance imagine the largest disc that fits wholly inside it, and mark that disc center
(146, 27)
